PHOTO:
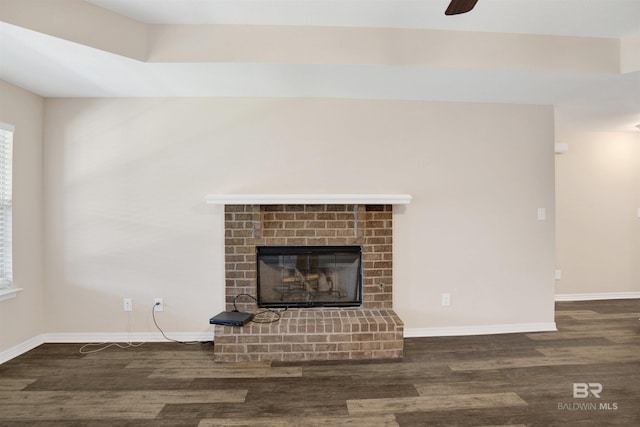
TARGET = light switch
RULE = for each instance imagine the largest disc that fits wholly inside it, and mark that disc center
(542, 214)
(446, 300)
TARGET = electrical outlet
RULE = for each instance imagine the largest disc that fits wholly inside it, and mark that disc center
(128, 304)
(558, 274)
(446, 300)
(158, 305)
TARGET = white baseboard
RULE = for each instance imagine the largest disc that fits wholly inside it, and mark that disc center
(453, 331)
(81, 338)
(597, 296)
(19, 349)
(125, 337)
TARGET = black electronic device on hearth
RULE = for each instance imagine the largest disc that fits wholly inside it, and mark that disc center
(231, 318)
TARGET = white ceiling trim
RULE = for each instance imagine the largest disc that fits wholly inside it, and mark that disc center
(583, 18)
(53, 67)
(583, 101)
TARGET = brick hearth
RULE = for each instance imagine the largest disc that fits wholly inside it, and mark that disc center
(371, 331)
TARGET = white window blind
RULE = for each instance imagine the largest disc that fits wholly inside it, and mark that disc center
(6, 198)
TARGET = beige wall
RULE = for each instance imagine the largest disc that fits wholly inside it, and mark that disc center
(126, 180)
(382, 46)
(629, 58)
(598, 197)
(22, 318)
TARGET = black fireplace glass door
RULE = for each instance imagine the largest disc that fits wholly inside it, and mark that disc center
(309, 276)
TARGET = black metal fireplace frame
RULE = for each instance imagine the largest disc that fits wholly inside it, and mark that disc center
(310, 250)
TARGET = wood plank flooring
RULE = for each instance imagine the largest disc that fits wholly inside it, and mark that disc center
(507, 380)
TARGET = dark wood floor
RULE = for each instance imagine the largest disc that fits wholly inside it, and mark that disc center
(514, 379)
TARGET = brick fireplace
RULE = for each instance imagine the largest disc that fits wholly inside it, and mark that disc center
(370, 331)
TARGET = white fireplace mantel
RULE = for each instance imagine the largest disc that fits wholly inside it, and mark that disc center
(307, 199)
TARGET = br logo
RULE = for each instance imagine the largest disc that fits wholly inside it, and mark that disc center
(583, 390)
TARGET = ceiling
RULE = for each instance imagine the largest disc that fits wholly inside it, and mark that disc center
(589, 101)
(585, 18)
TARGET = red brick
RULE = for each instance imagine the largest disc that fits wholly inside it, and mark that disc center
(294, 241)
(268, 233)
(235, 274)
(317, 338)
(323, 347)
(363, 337)
(338, 208)
(371, 345)
(294, 338)
(347, 346)
(315, 224)
(273, 224)
(315, 208)
(347, 232)
(330, 216)
(317, 241)
(279, 348)
(280, 217)
(284, 233)
(271, 339)
(367, 354)
(305, 216)
(234, 208)
(292, 357)
(302, 347)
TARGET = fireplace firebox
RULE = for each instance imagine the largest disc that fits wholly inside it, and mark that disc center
(309, 276)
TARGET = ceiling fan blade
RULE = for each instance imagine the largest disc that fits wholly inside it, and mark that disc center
(460, 6)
